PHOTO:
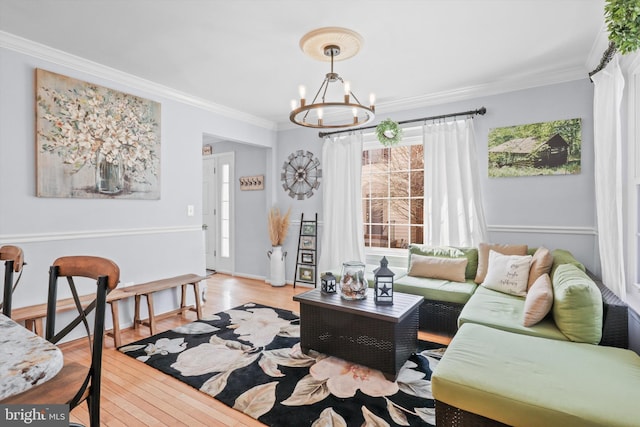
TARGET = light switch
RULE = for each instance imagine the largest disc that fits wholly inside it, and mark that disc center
(190, 210)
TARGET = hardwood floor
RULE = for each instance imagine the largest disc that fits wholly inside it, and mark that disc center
(134, 394)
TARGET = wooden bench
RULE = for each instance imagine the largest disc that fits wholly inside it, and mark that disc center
(148, 289)
(33, 315)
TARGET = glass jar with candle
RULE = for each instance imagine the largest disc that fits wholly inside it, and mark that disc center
(353, 285)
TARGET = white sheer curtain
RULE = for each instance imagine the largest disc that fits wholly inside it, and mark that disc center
(454, 214)
(343, 229)
(607, 100)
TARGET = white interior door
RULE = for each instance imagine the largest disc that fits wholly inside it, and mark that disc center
(208, 209)
(218, 178)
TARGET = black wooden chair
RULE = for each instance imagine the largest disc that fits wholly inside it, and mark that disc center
(13, 261)
(76, 383)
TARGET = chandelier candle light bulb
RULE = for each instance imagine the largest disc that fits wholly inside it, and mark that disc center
(303, 92)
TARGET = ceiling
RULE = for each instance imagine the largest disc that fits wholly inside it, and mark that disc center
(244, 54)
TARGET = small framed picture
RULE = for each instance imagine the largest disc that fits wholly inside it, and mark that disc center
(308, 229)
(307, 242)
(306, 257)
(207, 150)
(306, 274)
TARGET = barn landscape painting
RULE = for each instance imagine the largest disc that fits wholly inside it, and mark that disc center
(548, 148)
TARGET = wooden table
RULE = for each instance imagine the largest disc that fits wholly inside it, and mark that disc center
(378, 336)
(26, 359)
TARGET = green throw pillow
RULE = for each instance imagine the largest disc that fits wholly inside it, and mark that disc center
(577, 305)
(472, 262)
(471, 254)
(562, 256)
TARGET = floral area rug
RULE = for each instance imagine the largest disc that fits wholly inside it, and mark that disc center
(249, 358)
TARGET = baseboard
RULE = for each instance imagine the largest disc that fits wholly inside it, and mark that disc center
(245, 276)
(263, 279)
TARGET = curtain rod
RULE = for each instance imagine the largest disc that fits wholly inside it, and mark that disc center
(607, 56)
(480, 111)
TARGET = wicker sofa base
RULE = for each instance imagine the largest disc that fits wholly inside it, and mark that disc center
(615, 325)
(440, 317)
(447, 415)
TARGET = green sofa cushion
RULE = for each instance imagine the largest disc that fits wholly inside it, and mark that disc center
(577, 304)
(505, 312)
(562, 256)
(448, 252)
(528, 381)
(436, 289)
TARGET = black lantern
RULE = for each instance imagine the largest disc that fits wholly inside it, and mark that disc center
(328, 283)
(383, 285)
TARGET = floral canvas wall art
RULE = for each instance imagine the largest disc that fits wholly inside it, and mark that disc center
(95, 142)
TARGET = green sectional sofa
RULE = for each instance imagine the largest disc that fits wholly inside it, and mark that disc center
(497, 371)
(449, 304)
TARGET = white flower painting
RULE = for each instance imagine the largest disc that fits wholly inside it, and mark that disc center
(95, 142)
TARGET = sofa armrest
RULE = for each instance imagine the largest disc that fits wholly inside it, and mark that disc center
(615, 322)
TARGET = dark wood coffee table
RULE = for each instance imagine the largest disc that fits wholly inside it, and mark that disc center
(378, 336)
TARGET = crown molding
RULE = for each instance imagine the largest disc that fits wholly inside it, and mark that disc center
(485, 89)
(47, 53)
(597, 48)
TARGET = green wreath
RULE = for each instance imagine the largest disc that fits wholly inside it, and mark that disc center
(388, 132)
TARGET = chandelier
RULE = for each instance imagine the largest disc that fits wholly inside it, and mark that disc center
(333, 106)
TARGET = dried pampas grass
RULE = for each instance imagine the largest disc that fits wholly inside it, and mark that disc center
(278, 226)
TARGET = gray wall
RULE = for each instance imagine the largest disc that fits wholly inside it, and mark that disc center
(290, 141)
(149, 239)
(555, 211)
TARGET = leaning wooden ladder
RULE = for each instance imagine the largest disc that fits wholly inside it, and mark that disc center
(306, 259)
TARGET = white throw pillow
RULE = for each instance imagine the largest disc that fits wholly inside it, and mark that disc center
(508, 273)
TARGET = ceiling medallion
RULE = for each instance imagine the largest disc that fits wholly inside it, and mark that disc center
(345, 110)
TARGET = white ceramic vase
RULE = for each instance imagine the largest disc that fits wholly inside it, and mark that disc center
(276, 265)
